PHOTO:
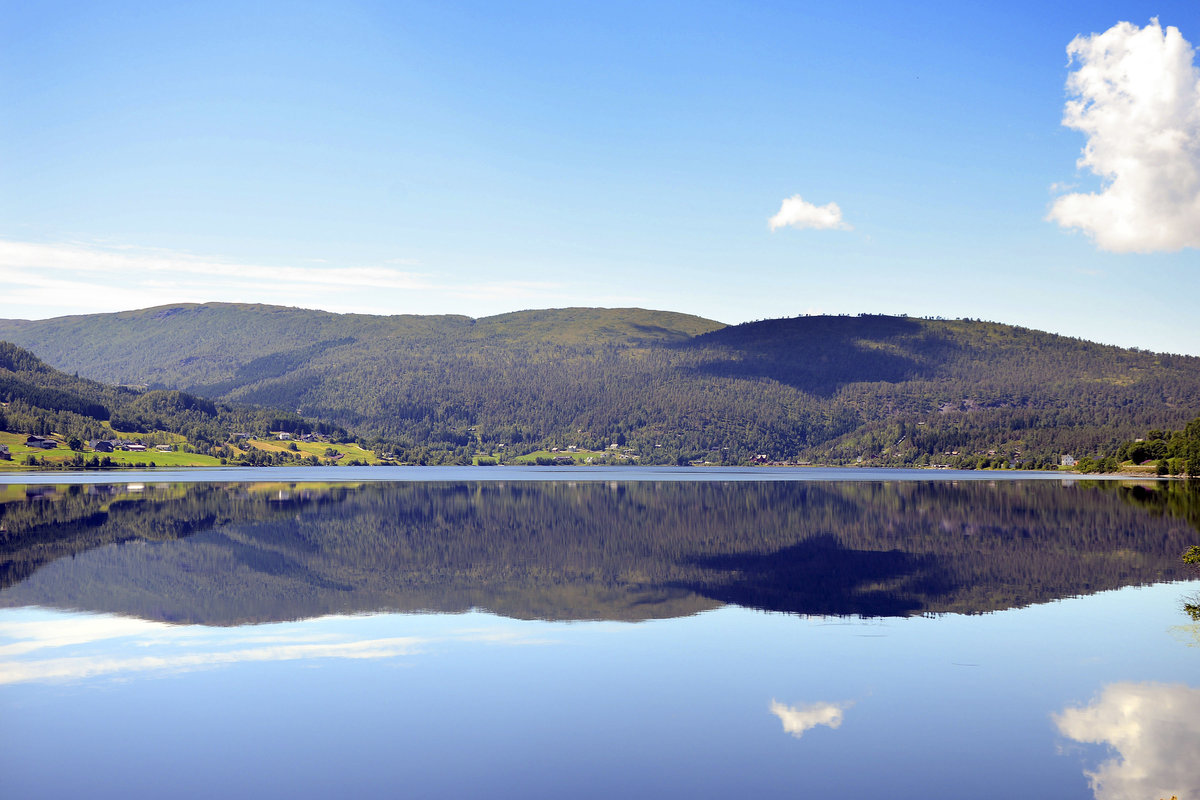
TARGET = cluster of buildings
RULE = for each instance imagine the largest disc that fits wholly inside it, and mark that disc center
(284, 436)
(109, 445)
(98, 445)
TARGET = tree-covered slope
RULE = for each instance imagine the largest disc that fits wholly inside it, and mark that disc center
(665, 387)
(40, 400)
(231, 343)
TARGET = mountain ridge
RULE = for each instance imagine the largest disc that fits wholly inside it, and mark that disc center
(664, 386)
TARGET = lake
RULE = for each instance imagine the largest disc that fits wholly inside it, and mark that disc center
(508, 632)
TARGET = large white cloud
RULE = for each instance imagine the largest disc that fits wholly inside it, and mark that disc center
(1136, 96)
(798, 719)
(796, 212)
(1154, 729)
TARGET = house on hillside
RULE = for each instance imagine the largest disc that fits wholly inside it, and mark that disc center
(42, 442)
(135, 447)
(4, 454)
(1068, 461)
(101, 445)
(284, 436)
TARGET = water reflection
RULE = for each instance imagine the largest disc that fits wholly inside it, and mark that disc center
(230, 554)
(1154, 730)
(798, 719)
(50, 647)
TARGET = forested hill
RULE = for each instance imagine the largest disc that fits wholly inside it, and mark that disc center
(664, 387)
(192, 345)
(39, 400)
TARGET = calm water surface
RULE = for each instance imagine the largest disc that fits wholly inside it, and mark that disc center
(611, 636)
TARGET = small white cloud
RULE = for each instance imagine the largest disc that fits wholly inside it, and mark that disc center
(798, 719)
(1155, 731)
(1136, 96)
(796, 212)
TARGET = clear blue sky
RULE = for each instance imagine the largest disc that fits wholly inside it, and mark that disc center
(478, 158)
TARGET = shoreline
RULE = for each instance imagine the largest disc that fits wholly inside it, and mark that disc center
(502, 473)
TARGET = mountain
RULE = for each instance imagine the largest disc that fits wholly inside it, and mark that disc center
(666, 387)
(38, 399)
(217, 343)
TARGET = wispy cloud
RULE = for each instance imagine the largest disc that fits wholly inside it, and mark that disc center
(796, 212)
(68, 647)
(30, 258)
(89, 277)
(798, 719)
(1136, 96)
(81, 667)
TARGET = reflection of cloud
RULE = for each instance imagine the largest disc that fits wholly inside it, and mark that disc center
(65, 647)
(798, 719)
(20, 638)
(91, 666)
(1155, 730)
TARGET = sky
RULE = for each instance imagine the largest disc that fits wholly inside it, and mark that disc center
(1024, 163)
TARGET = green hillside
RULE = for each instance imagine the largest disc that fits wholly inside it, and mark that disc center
(72, 413)
(664, 387)
(217, 343)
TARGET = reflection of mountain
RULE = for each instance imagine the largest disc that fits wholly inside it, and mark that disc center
(223, 555)
(819, 575)
(1155, 731)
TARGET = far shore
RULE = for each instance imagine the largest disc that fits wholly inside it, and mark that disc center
(363, 474)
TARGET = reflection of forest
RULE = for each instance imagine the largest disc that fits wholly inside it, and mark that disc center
(230, 554)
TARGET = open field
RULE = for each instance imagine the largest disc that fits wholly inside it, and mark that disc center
(350, 451)
(19, 450)
(579, 456)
